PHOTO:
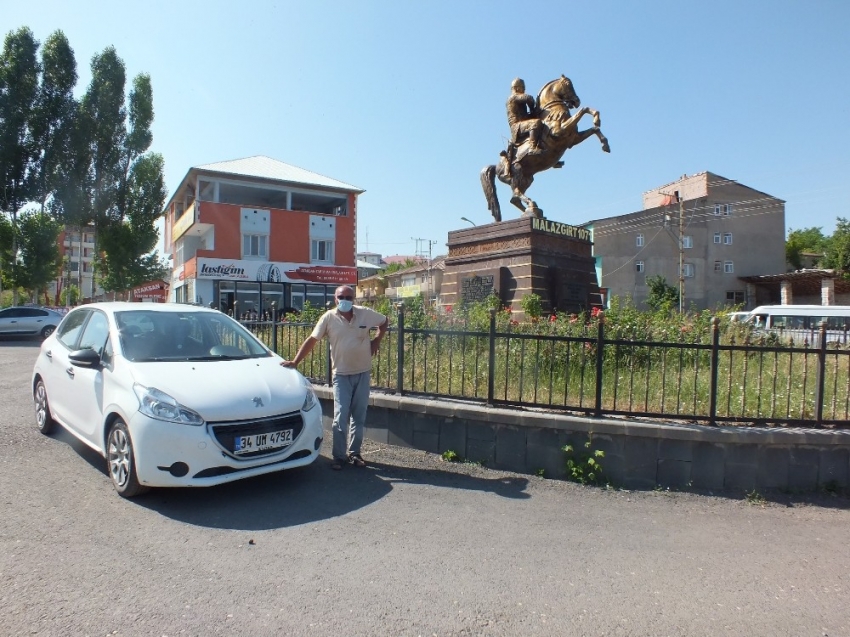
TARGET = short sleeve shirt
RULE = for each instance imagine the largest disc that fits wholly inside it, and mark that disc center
(351, 350)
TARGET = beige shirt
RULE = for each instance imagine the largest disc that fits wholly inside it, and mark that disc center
(351, 350)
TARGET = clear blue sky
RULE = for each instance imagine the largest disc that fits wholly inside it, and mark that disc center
(406, 99)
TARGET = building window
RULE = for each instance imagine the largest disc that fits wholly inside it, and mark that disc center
(724, 209)
(254, 245)
(688, 270)
(321, 251)
(687, 241)
(718, 266)
(717, 237)
(735, 297)
(639, 241)
(727, 238)
(728, 267)
(639, 267)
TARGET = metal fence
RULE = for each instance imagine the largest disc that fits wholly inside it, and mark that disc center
(710, 380)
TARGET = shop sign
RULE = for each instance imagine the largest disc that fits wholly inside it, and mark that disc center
(275, 272)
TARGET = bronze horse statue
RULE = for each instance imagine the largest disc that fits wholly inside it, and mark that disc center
(518, 164)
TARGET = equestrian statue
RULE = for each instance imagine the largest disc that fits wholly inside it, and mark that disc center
(541, 131)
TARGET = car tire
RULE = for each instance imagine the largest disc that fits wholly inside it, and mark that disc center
(47, 331)
(121, 461)
(43, 420)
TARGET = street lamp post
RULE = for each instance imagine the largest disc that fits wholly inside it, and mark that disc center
(467, 220)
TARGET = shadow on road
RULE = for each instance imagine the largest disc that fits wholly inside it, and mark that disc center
(297, 496)
(309, 494)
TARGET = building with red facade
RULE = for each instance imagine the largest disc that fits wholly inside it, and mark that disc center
(253, 234)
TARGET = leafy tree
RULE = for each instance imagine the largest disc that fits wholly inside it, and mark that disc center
(395, 267)
(838, 248)
(69, 295)
(126, 243)
(805, 240)
(39, 255)
(662, 295)
(19, 71)
(53, 115)
(109, 180)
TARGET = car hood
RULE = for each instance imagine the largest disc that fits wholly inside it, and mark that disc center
(227, 389)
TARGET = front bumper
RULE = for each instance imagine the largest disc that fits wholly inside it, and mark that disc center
(176, 455)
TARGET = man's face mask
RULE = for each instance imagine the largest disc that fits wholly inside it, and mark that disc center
(345, 303)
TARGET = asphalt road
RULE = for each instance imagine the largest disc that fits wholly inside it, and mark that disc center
(410, 545)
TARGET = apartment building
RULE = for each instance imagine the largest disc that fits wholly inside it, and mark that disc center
(253, 234)
(718, 229)
(77, 246)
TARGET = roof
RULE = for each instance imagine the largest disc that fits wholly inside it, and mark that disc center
(365, 265)
(802, 281)
(438, 263)
(262, 167)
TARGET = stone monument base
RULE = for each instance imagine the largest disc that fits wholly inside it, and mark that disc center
(515, 258)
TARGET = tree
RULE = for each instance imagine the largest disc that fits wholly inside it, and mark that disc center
(838, 248)
(126, 244)
(53, 116)
(662, 295)
(19, 70)
(39, 256)
(109, 180)
(805, 240)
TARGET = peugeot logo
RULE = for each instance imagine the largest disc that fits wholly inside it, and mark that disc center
(258, 402)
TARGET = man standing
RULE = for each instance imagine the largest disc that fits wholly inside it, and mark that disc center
(348, 330)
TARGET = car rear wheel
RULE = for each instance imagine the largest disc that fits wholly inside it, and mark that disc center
(43, 420)
(121, 462)
(47, 330)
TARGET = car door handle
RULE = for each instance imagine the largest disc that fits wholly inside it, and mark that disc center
(49, 354)
(70, 372)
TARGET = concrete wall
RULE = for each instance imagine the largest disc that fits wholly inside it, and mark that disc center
(638, 454)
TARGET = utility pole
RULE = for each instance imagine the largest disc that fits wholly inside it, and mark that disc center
(681, 253)
(421, 253)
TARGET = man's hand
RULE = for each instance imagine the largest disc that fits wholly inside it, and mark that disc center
(375, 344)
(286, 363)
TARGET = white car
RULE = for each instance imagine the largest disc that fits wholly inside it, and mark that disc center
(174, 396)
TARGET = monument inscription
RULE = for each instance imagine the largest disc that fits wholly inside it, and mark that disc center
(476, 288)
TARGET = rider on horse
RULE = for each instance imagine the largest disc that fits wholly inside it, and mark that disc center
(522, 120)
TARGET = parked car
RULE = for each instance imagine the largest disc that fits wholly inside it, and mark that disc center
(28, 321)
(174, 395)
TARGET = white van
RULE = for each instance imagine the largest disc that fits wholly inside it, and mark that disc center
(803, 322)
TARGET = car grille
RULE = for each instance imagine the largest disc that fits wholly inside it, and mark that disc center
(227, 432)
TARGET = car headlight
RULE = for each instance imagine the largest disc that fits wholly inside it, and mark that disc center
(157, 404)
(310, 400)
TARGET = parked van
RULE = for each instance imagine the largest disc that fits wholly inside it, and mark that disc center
(803, 322)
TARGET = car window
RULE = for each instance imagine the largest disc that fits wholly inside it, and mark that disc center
(70, 328)
(12, 312)
(95, 333)
(149, 335)
(32, 312)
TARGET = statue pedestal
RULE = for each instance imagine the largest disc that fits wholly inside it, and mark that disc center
(512, 259)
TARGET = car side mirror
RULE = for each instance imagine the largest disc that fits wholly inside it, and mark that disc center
(85, 358)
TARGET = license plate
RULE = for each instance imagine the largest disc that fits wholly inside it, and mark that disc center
(263, 442)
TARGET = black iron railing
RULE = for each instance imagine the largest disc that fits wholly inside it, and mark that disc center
(700, 378)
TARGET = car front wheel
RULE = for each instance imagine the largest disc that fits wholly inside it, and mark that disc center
(47, 330)
(43, 420)
(121, 462)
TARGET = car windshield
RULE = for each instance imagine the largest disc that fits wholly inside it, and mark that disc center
(147, 336)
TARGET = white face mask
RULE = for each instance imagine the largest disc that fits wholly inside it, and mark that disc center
(344, 306)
